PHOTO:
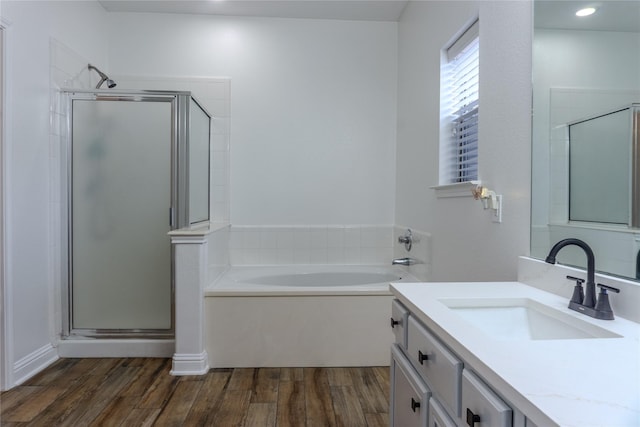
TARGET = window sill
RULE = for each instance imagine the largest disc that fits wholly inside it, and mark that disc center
(459, 189)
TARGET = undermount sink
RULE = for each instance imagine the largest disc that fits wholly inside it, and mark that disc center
(523, 319)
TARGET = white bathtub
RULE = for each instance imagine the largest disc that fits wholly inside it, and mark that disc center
(327, 315)
(308, 280)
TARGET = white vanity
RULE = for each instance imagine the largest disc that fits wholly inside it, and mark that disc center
(508, 354)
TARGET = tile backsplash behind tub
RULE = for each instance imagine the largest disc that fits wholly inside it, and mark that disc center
(332, 244)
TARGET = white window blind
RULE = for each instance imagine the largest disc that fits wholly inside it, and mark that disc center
(460, 106)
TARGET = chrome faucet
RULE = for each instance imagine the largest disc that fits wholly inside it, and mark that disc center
(586, 303)
(405, 261)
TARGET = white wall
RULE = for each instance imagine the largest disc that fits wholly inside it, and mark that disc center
(312, 108)
(465, 244)
(31, 223)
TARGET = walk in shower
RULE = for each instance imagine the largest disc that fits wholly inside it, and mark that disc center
(136, 166)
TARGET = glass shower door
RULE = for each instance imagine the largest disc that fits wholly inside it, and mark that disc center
(120, 200)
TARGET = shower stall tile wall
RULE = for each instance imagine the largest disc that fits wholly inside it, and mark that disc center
(333, 244)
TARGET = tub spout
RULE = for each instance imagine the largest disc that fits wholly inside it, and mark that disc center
(405, 261)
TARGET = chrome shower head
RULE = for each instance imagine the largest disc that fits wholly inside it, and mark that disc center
(103, 78)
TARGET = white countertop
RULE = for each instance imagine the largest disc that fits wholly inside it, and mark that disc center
(575, 382)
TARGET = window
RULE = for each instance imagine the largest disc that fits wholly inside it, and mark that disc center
(459, 109)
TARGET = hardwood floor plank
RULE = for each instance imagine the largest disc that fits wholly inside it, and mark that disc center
(141, 392)
(377, 420)
(339, 376)
(160, 390)
(10, 399)
(209, 398)
(242, 379)
(266, 383)
(76, 372)
(67, 404)
(179, 405)
(373, 398)
(92, 398)
(113, 415)
(36, 402)
(261, 415)
(347, 407)
(291, 374)
(291, 404)
(139, 362)
(146, 376)
(318, 404)
(108, 390)
(102, 367)
(58, 369)
(233, 409)
(383, 375)
(141, 417)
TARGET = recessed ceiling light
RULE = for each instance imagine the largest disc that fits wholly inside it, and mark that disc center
(586, 11)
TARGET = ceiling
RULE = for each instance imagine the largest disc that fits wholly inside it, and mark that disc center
(359, 10)
(611, 15)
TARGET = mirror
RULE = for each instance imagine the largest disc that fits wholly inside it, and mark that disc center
(599, 148)
(583, 68)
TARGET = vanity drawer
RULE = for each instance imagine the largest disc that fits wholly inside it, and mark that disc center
(481, 403)
(438, 366)
(410, 396)
(399, 316)
(438, 416)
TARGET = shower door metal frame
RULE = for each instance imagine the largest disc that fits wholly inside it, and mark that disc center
(179, 209)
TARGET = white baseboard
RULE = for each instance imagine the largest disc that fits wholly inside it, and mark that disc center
(116, 348)
(33, 363)
(190, 364)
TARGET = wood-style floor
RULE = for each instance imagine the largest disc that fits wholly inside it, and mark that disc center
(140, 392)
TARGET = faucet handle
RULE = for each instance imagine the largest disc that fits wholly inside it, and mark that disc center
(578, 293)
(605, 288)
(603, 308)
(407, 239)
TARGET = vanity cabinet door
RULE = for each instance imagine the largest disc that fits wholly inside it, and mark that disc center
(399, 316)
(409, 395)
(480, 405)
(438, 416)
(441, 369)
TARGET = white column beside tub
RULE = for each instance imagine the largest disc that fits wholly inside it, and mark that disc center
(190, 252)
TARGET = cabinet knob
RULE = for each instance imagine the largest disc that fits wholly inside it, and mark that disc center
(472, 418)
(422, 357)
(414, 404)
(394, 322)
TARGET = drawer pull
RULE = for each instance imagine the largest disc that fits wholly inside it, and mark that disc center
(414, 404)
(394, 322)
(422, 357)
(472, 418)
